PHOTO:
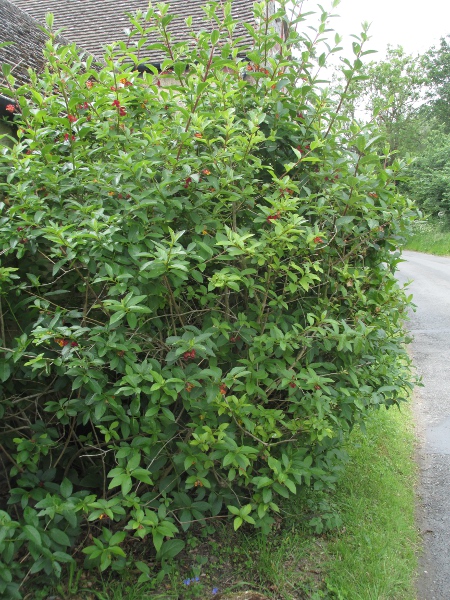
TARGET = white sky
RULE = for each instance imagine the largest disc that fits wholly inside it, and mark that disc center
(412, 24)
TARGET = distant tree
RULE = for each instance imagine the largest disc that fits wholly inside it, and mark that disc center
(437, 64)
(394, 92)
(429, 176)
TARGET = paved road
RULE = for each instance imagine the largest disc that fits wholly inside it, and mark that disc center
(430, 326)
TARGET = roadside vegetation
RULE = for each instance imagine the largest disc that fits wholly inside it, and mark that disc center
(198, 311)
(432, 237)
(358, 541)
(408, 96)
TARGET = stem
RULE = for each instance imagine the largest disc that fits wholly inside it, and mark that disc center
(194, 108)
(66, 100)
(69, 437)
(173, 305)
(10, 458)
(227, 303)
(2, 325)
(264, 302)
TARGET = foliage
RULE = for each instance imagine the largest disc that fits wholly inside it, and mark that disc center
(197, 292)
(429, 176)
(351, 560)
(437, 63)
(431, 236)
(401, 93)
(394, 92)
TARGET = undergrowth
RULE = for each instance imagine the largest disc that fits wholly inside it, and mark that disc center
(368, 554)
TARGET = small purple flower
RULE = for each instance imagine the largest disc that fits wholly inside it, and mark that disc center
(196, 579)
(215, 590)
(187, 582)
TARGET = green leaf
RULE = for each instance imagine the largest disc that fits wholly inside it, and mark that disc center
(290, 485)
(171, 548)
(142, 567)
(233, 510)
(117, 316)
(5, 370)
(345, 220)
(117, 538)
(142, 475)
(157, 540)
(117, 480)
(105, 561)
(126, 484)
(66, 488)
(131, 320)
(32, 534)
(60, 537)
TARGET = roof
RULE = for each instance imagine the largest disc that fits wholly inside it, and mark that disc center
(92, 24)
(27, 40)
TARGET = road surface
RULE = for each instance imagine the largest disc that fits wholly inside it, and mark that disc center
(430, 326)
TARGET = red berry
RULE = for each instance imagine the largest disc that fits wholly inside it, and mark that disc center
(274, 217)
(292, 385)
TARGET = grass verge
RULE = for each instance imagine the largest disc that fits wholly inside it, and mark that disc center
(375, 557)
(371, 556)
(431, 237)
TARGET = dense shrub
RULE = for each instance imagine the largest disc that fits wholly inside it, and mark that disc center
(197, 294)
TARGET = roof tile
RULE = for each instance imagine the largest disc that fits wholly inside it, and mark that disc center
(27, 39)
(93, 24)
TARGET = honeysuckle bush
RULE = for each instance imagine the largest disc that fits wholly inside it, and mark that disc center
(197, 290)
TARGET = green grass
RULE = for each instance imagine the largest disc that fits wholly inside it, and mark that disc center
(375, 559)
(431, 238)
(371, 556)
